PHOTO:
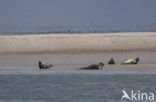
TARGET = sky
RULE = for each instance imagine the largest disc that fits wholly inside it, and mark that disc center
(83, 16)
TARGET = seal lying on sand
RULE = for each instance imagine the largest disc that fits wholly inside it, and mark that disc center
(111, 61)
(94, 67)
(131, 61)
(43, 66)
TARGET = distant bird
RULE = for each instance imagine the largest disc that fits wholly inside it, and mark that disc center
(94, 66)
(43, 66)
(111, 61)
(131, 61)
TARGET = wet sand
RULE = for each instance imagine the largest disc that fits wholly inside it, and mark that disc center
(74, 61)
(72, 51)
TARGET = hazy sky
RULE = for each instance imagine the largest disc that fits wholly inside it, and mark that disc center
(82, 15)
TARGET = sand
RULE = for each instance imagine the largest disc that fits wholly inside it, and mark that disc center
(78, 43)
(72, 51)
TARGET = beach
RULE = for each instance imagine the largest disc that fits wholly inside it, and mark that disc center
(71, 51)
(22, 80)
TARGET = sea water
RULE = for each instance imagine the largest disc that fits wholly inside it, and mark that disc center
(73, 85)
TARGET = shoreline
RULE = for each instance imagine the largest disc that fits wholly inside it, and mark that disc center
(106, 67)
(75, 61)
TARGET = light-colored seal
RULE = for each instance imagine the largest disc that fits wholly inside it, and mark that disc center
(131, 61)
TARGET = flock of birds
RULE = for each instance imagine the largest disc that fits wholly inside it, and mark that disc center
(96, 66)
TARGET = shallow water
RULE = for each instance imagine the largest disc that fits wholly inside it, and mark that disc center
(73, 85)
